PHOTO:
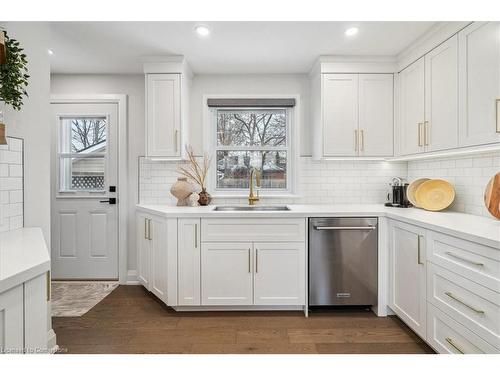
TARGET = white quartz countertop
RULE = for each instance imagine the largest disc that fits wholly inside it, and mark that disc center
(23, 255)
(470, 227)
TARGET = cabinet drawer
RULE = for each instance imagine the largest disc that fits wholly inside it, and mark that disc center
(469, 303)
(446, 335)
(471, 260)
(244, 230)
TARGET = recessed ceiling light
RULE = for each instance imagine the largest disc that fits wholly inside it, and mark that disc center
(50, 52)
(351, 31)
(202, 30)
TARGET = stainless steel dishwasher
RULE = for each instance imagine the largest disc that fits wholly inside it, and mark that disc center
(343, 261)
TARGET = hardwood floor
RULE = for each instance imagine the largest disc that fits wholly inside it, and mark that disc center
(131, 320)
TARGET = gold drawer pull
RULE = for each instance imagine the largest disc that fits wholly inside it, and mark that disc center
(464, 259)
(455, 346)
(477, 311)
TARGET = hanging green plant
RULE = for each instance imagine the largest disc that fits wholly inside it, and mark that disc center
(13, 74)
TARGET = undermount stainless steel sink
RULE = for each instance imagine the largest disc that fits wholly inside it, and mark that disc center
(251, 208)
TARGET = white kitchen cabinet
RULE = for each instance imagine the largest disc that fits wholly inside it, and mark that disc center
(376, 113)
(479, 84)
(36, 295)
(411, 108)
(357, 114)
(226, 274)
(279, 273)
(163, 115)
(158, 251)
(440, 129)
(188, 254)
(143, 249)
(340, 114)
(11, 320)
(407, 271)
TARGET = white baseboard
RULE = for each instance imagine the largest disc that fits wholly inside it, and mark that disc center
(132, 277)
(52, 346)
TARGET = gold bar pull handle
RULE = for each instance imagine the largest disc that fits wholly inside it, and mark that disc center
(176, 140)
(48, 285)
(356, 140)
(419, 132)
(449, 253)
(149, 230)
(249, 261)
(426, 133)
(454, 346)
(256, 260)
(196, 236)
(146, 229)
(419, 249)
(477, 311)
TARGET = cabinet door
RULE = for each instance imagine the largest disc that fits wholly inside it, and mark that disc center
(188, 255)
(143, 250)
(35, 313)
(11, 320)
(441, 96)
(279, 273)
(479, 83)
(407, 275)
(340, 114)
(158, 251)
(411, 108)
(376, 112)
(226, 274)
(163, 111)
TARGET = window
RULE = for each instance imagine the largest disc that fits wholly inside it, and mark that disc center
(247, 138)
(82, 154)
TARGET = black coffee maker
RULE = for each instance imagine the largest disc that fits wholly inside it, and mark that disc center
(397, 194)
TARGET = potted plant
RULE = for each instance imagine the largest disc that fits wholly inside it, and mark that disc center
(13, 76)
(197, 174)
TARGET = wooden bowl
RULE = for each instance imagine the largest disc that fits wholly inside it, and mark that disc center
(412, 188)
(435, 195)
(492, 196)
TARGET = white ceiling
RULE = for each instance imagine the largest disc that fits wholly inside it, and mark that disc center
(232, 47)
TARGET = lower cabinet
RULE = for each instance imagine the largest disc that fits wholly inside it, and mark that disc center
(188, 254)
(143, 250)
(408, 275)
(253, 273)
(23, 317)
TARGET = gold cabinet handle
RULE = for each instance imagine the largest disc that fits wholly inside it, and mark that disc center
(146, 229)
(477, 311)
(356, 140)
(497, 115)
(362, 132)
(455, 346)
(256, 260)
(196, 236)
(418, 250)
(149, 230)
(449, 253)
(249, 261)
(419, 131)
(176, 136)
(47, 277)
(426, 135)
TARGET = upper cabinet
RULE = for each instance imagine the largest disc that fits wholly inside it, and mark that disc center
(356, 116)
(167, 99)
(479, 82)
(428, 109)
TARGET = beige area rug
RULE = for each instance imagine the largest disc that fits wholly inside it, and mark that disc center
(75, 298)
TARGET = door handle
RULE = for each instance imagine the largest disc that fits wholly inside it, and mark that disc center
(426, 135)
(249, 261)
(110, 201)
(455, 346)
(256, 260)
(418, 250)
(371, 227)
(356, 140)
(145, 228)
(419, 131)
(196, 236)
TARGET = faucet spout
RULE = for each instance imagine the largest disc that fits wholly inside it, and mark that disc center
(252, 198)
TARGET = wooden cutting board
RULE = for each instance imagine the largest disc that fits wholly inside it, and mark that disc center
(492, 196)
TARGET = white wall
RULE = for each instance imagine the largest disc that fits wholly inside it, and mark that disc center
(32, 123)
(133, 87)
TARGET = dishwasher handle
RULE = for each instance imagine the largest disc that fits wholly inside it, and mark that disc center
(370, 227)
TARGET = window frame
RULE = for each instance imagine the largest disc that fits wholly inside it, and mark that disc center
(61, 170)
(210, 136)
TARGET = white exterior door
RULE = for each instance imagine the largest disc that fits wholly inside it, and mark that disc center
(376, 113)
(407, 275)
(340, 114)
(163, 122)
(441, 96)
(279, 273)
(84, 177)
(226, 274)
(188, 258)
(479, 83)
(411, 116)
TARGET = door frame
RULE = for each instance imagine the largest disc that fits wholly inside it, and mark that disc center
(122, 129)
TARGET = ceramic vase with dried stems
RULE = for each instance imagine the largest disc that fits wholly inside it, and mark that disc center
(197, 174)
